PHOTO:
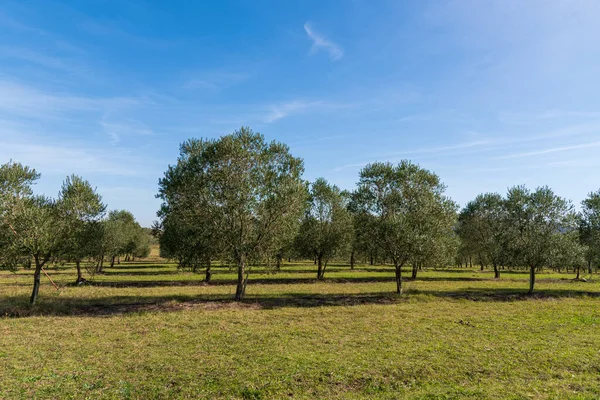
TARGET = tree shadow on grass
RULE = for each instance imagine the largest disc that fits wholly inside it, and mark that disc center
(267, 281)
(17, 307)
(506, 294)
(279, 279)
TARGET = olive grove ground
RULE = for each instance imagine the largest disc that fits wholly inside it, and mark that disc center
(146, 330)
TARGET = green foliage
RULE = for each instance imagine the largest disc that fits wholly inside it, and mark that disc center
(482, 228)
(589, 228)
(412, 219)
(536, 226)
(246, 192)
(326, 228)
(80, 209)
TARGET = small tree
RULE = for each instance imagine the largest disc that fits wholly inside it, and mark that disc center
(409, 208)
(327, 226)
(589, 228)
(481, 227)
(536, 223)
(80, 208)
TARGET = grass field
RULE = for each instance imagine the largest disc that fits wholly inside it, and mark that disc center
(145, 331)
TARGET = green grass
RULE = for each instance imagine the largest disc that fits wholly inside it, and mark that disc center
(145, 331)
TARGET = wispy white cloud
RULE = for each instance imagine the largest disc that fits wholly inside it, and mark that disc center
(104, 28)
(21, 100)
(475, 146)
(320, 42)
(283, 110)
(550, 150)
(117, 129)
(64, 159)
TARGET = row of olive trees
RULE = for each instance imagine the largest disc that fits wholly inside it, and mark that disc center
(531, 229)
(243, 200)
(71, 228)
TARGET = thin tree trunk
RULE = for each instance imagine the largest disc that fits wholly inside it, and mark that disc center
(414, 271)
(371, 259)
(320, 267)
(398, 277)
(112, 262)
(100, 264)
(79, 274)
(496, 272)
(36, 281)
(352, 260)
(590, 267)
(241, 280)
(578, 271)
(531, 279)
(208, 273)
(278, 260)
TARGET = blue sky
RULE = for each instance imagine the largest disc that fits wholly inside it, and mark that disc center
(487, 93)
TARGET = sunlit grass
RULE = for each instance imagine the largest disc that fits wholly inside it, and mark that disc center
(150, 331)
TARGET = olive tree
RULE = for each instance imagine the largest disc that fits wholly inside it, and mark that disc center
(189, 243)
(410, 210)
(81, 209)
(537, 223)
(327, 226)
(32, 222)
(250, 192)
(481, 228)
(589, 228)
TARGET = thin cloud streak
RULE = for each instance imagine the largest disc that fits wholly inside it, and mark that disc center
(284, 110)
(63, 159)
(320, 42)
(550, 150)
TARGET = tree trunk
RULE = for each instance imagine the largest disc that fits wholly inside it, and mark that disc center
(101, 264)
(531, 279)
(371, 260)
(278, 260)
(79, 274)
(112, 261)
(315, 261)
(208, 273)
(398, 278)
(590, 267)
(352, 260)
(240, 290)
(578, 271)
(36, 281)
(496, 272)
(414, 271)
(320, 267)
(470, 262)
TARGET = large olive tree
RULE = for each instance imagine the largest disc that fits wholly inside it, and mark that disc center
(249, 193)
(410, 212)
(31, 223)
